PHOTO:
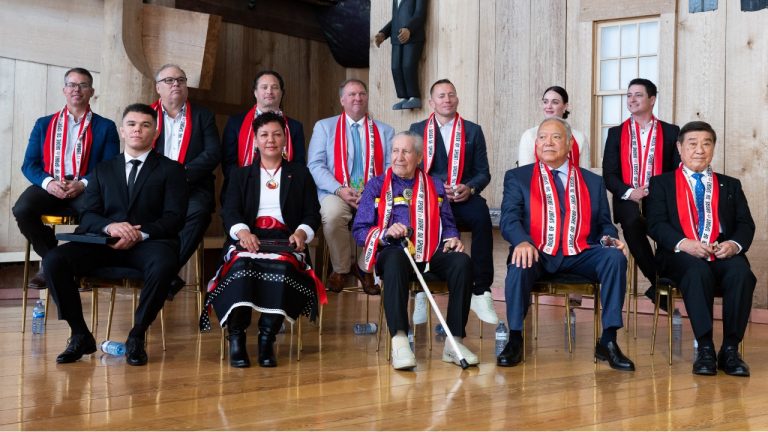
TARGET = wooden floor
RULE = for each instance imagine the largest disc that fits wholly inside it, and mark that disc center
(348, 385)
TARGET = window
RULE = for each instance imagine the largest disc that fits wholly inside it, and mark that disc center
(625, 50)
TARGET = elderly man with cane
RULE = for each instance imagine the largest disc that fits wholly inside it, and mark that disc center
(406, 202)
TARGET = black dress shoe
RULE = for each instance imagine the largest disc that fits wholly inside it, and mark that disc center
(730, 362)
(612, 353)
(176, 285)
(37, 281)
(511, 355)
(238, 354)
(77, 346)
(134, 352)
(267, 351)
(706, 362)
(651, 294)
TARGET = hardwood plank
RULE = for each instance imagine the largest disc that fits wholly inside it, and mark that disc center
(7, 170)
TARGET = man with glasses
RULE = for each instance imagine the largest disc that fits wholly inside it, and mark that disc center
(188, 135)
(63, 149)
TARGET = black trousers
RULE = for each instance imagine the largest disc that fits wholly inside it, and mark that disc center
(35, 202)
(396, 272)
(156, 259)
(405, 68)
(198, 218)
(635, 230)
(475, 215)
(697, 280)
(240, 319)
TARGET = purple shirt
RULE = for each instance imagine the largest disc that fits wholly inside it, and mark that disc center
(367, 213)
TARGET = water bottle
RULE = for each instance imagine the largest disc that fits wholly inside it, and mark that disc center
(113, 348)
(501, 337)
(411, 340)
(572, 327)
(38, 318)
(440, 331)
(364, 328)
(677, 332)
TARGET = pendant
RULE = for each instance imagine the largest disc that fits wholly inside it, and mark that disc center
(407, 194)
(272, 184)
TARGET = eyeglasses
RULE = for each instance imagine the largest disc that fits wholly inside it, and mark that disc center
(72, 86)
(169, 81)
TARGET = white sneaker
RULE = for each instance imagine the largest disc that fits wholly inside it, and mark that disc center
(402, 356)
(482, 306)
(449, 355)
(420, 308)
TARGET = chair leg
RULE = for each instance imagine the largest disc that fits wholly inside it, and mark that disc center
(568, 324)
(223, 344)
(669, 325)
(381, 324)
(94, 309)
(535, 316)
(299, 345)
(111, 310)
(655, 321)
(25, 289)
(429, 328)
(47, 302)
(162, 328)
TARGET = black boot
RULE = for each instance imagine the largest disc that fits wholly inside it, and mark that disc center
(238, 354)
(269, 325)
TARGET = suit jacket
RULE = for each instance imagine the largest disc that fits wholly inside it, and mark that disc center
(241, 204)
(411, 14)
(321, 145)
(477, 173)
(106, 144)
(516, 211)
(664, 221)
(158, 204)
(623, 209)
(203, 153)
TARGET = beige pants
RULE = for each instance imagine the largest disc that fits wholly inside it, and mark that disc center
(336, 216)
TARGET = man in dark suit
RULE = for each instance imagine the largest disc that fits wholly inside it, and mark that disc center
(407, 32)
(455, 152)
(140, 197)
(189, 136)
(239, 149)
(547, 236)
(636, 150)
(63, 150)
(703, 227)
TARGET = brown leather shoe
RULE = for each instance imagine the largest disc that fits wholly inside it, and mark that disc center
(38, 281)
(336, 282)
(366, 279)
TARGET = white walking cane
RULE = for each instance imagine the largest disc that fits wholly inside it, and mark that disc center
(449, 335)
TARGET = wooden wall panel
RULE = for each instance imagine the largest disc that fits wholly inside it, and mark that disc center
(579, 76)
(457, 52)
(7, 168)
(486, 83)
(746, 124)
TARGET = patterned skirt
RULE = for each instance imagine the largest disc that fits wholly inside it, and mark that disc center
(277, 283)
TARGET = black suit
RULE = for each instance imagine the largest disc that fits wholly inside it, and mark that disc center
(203, 155)
(158, 204)
(696, 277)
(472, 213)
(410, 14)
(627, 212)
(241, 205)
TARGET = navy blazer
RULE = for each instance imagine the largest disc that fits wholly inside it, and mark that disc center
(664, 221)
(410, 14)
(623, 209)
(515, 207)
(477, 173)
(241, 204)
(204, 151)
(158, 204)
(106, 144)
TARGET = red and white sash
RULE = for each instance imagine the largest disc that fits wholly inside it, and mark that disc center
(424, 212)
(185, 128)
(55, 145)
(457, 148)
(246, 148)
(639, 163)
(545, 212)
(374, 151)
(688, 213)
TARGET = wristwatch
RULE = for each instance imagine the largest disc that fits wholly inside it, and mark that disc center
(471, 191)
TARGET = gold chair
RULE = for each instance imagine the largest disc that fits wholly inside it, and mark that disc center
(53, 220)
(564, 284)
(198, 286)
(632, 293)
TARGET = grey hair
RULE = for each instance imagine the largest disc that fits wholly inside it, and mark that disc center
(566, 125)
(351, 80)
(167, 66)
(418, 140)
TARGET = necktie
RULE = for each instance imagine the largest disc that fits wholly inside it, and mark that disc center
(357, 162)
(560, 190)
(698, 190)
(132, 175)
